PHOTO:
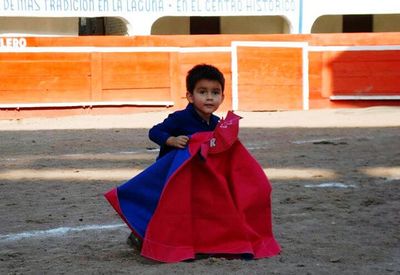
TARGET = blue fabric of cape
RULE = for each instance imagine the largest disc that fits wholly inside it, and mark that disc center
(211, 197)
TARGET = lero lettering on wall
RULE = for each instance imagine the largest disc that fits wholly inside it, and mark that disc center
(13, 42)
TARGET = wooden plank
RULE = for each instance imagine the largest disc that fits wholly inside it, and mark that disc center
(359, 73)
(358, 68)
(45, 77)
(263, 65)
(54, 56)
(176, 92)
(160, 40)
(135, 70)
(365, 97)
(42, 95)
(154, 61)
(45, 67)
(346, 39)
(126, 80)
(46, 83)
(137, 94)
(272, 54)
(389, 38)
(264, 98)
(314, 75)
(96, 73)
(270, 78)
(366, 85)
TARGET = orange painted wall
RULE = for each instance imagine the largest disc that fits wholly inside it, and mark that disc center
(268, 78)
(45, 77)
(363, 73)
(135, 76)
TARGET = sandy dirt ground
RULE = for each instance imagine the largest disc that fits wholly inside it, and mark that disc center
(335, 177)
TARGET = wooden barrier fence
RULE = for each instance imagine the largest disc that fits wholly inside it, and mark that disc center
(264, 72)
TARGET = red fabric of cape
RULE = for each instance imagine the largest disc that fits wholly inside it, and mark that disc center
(218, 202)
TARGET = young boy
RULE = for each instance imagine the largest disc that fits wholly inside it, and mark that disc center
(185, 205)
(205, 92)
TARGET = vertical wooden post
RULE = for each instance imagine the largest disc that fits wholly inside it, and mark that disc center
(176, 86)
(326, 75)
(96, 93)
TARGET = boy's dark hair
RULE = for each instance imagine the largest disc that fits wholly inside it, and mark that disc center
(203, 71)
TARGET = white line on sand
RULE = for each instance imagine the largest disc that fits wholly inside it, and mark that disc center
(330, 185)
(316, 140)
(56, 232)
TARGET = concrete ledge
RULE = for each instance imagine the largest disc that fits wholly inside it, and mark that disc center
(364, 97)
(85, 104)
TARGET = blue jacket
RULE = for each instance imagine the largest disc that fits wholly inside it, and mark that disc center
(184, 122)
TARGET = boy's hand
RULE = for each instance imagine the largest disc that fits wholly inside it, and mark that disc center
(178, 142)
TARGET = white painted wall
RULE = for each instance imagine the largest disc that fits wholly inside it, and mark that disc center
(253, 24)
(166, 17)
(334, 23)
(33, 26)
(312, 9)
(141, 14)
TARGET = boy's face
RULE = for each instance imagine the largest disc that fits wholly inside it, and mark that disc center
(206, 97)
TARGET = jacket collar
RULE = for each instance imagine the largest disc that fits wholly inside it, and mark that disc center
(213, 118)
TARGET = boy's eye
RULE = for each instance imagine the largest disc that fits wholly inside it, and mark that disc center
(216, 92)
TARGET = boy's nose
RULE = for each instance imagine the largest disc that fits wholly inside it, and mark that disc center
(210, 95)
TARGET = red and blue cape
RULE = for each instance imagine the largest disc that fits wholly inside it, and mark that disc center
(212, 197)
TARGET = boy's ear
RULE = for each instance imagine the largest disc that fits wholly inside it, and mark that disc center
(189, 97)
